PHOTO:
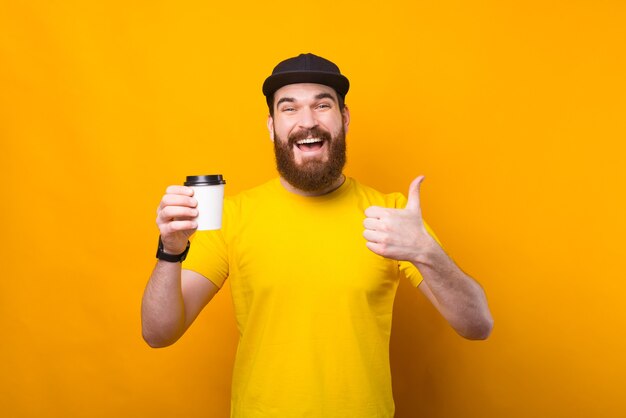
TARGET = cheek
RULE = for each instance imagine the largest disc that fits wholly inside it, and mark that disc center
(335, 125)
(282, 130)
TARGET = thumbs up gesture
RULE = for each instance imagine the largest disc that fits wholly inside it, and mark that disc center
(398, 234)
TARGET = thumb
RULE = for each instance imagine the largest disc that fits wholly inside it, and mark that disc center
(413, 202)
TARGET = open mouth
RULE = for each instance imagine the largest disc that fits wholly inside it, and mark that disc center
(310, 144)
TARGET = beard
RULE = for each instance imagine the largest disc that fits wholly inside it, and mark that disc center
(313, 174)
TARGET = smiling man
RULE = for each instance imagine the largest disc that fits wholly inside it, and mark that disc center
(313, 258)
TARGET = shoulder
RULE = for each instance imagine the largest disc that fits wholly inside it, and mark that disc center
(377, 198)
(256, 192)
(264, 192)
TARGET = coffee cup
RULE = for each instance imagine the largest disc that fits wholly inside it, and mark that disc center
(209, 192)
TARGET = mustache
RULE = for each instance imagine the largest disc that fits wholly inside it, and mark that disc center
(314, 132)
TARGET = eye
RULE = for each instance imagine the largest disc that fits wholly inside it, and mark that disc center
(323, 106)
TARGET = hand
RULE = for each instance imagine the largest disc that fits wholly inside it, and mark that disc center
(398, 234)
(175, 218)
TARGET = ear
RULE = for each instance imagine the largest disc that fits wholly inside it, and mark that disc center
(346, 117)
(270, 126)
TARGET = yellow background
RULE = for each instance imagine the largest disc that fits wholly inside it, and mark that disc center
(514, 111)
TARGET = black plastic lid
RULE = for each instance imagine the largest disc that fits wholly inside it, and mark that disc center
(208, 180)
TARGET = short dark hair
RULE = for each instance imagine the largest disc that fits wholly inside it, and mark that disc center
(270, 102)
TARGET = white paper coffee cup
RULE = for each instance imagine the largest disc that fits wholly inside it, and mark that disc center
(209, 192)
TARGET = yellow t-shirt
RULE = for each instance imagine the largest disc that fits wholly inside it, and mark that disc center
(313, 304)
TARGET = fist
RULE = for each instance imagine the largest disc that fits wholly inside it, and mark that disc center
(398, 234)
(176, 218)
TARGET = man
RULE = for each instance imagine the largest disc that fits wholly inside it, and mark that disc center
(313, 260)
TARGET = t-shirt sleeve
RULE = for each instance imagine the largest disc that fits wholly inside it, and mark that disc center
(208, 256)
(409, 270)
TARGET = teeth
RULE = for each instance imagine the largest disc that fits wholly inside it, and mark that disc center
(308, 141)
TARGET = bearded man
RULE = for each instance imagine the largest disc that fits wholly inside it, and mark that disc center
(313, 259)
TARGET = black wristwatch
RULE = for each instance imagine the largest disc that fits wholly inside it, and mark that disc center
(172, 258)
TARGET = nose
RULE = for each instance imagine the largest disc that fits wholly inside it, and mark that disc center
(307, 119)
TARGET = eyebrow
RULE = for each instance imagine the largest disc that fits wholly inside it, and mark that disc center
(285, 99)
(326, 96)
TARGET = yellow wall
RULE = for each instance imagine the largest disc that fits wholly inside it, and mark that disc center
(514, 111)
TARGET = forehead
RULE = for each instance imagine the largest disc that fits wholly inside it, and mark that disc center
(303, 91)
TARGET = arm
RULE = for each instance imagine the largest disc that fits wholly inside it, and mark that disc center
(173, 297)
(400, 234)
(458, 297)
(172, 300)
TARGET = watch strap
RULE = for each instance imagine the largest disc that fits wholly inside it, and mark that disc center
(172, 258)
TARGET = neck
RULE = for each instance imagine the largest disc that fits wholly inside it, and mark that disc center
(334, 186)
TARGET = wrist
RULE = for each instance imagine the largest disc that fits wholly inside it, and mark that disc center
(429, 254)
(174, 256)
(173, 251)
